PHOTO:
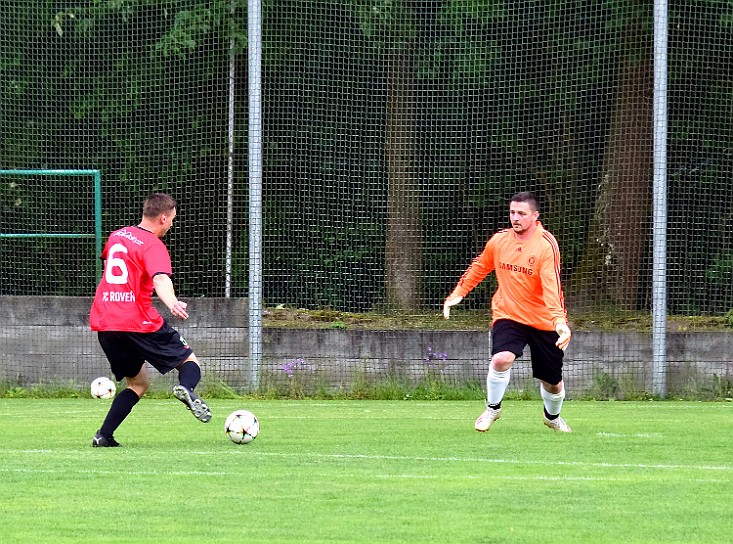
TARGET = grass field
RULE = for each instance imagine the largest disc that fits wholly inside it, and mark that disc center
(368, 471)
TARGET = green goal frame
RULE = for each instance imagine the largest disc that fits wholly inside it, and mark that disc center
(97, 235)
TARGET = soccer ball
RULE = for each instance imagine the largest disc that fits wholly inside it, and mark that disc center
(103, 388)
(242, 427)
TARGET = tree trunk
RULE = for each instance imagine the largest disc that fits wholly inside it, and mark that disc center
(620, 229)
(404, 228)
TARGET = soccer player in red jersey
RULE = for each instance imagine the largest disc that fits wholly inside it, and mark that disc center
(130, 329)
(528, 308)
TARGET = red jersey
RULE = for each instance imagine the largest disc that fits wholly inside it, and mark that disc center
(528, 274)
(124, 296)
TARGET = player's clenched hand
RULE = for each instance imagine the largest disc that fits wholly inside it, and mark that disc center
(452, 300)
(564, 333)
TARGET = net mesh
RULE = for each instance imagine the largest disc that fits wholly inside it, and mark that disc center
(58, 252)
(394, 135)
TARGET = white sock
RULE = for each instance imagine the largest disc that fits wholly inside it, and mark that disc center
(496, 384)
(553, 401)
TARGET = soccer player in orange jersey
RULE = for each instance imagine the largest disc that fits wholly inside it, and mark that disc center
(528, 309)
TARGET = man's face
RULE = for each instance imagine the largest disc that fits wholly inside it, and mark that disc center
(522, 217)
(167, 219)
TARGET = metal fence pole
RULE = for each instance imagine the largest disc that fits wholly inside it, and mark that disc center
(254, 25)
(230, 161)
(659, 271)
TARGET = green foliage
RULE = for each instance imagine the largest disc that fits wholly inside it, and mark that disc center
(697, 387)
(297, 379)
(607, 387)
(721, 269)
(502, 99)
(528, 391)
(42, 391)
(722, 387)
(215, 388)
(392, 387)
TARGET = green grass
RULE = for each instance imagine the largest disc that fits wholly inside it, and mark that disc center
(605, 318)
(368, 472)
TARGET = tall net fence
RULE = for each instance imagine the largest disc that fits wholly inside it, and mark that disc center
(394, 135)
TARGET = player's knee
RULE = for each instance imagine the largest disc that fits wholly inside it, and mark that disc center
(139, 390)
(191, 359)
(139, 385)
(554, 389)
(502, 361)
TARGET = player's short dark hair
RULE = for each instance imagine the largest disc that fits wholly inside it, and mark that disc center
(158, 203)
(527, 197)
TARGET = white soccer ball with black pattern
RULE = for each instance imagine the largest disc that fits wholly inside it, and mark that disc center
(103, 388)
(242, 427)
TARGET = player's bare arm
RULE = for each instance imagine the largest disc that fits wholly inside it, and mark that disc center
(165, 291)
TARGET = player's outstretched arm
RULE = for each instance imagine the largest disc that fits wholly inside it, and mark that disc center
(451, 300)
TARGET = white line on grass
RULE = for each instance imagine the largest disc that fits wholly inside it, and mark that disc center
(634, 435)
(539, 478)
(497, 461)
(193, 473)
(239, 451)
(126, 472)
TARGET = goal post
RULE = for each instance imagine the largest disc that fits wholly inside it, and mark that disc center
(97, 234)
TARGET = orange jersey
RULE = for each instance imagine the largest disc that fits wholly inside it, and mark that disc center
(528, 274)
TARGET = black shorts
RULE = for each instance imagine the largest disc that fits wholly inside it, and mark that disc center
(508, 335)
(164, 349)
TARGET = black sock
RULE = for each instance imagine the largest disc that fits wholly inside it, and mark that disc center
(551, 417)
(120, 409)
(496, 406)
(189, 375)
